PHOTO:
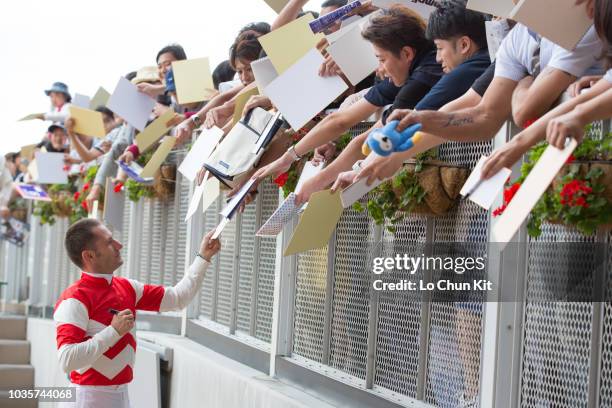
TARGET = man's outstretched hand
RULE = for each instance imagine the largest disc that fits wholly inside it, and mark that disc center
(209, 247)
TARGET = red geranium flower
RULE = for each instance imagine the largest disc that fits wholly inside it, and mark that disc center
(499, 211)
(85, 186)
(574, 194)
(76, 196)
(84, 205)
(509, 194)
(282, 179)
(570, 159)
(118, 187)
(528, 123)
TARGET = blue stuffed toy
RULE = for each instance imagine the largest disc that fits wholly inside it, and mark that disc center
(387, 140)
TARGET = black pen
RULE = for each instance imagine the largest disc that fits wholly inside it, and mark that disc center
(469, 193)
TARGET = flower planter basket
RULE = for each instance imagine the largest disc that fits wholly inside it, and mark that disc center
(583, 168)
(61, 206)
(441, 183)
(165, 181)
(422, 187)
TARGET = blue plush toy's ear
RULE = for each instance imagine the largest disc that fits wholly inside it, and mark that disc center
(407, 137)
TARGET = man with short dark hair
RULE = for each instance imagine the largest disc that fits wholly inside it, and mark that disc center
(95, 315)
(408, 57)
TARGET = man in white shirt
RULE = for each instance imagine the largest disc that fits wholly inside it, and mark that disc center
(95, 315)
(512, 89)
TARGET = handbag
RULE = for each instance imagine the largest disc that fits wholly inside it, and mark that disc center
(243, 146)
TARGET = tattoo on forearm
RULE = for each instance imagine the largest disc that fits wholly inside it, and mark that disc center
(454, 121)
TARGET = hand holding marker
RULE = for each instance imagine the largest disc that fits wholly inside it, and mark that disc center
(387, 139)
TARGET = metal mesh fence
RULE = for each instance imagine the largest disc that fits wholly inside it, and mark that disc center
(349, 331)
(268, 197)
(207, 300)
(557, 335)
(399, 315)
(605, 385)
(423, 348)
(247, 270)
(311, 284)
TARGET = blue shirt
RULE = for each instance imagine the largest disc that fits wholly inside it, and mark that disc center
(424, 73)
(454, 84)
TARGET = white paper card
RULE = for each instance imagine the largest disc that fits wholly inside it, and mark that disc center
(199, 152)
(300, 93)
(419, 6)
(308, 172)
(82, 101)
(207, 192)
(499, 8)
(212, 189)
(264, 73)
(348, 21)
(283, 214)
(194, 203)
(93, 214)
(50, 168)
(561, 21)
(530, 191)
(496, 32)
(235, 201)
(114, 204)
(133, 106)
(354, 55)
(487, 191)
(355, 191)
(220, 228)
(344, 28)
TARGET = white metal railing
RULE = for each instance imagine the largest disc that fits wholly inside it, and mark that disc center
(316, 312)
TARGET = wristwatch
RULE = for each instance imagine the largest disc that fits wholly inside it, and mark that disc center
(201, 256)
(197, 121)
(293, 153)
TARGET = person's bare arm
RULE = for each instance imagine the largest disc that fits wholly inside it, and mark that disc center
(334, 125)
(467, 125)
(288, 13)
(186, 127)
(598, 108)
(222, 115)
(220, 99)
(350, 154)
(533, 98)
(77, 144)
(512, 151)
(327, 130)
(384, 167)
(82, 151)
